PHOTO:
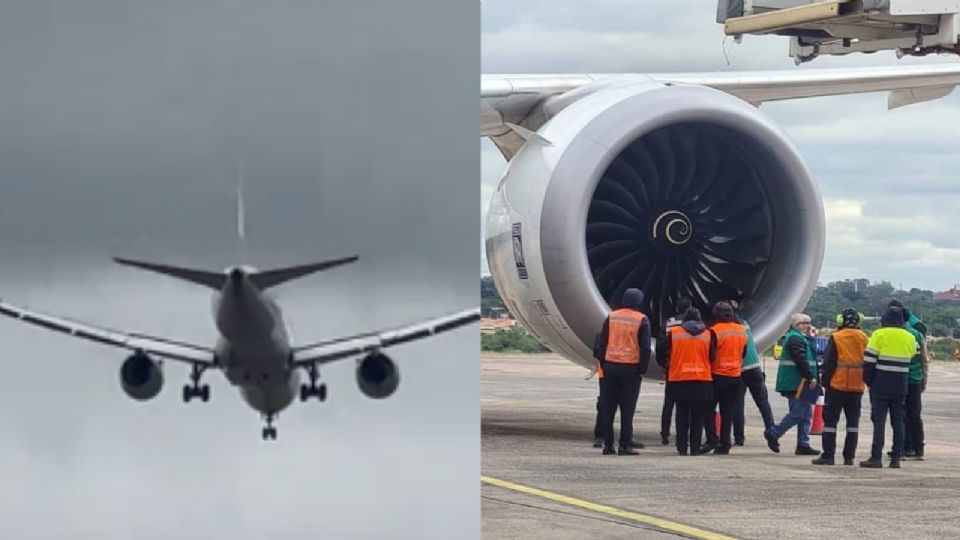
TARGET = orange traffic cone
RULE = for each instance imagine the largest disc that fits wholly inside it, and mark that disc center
(716, 423)
(816, 427)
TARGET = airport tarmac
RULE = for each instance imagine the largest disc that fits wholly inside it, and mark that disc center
(537, 422)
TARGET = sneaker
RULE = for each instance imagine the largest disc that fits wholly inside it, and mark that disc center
(609, 451)
(806, 451)
(636, 444)
(709, 447)
(771, 441)
(872, 464)
(627, 452)
(847, 461)
(894, 463)
(823, 461)
(598, 443)
(909, 453)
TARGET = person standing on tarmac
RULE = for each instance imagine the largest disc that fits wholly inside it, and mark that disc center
(624, 355)
(666, 414)
(798, 365)
(886, 370)
(917, 384)
(843, 380)
(686, 354)
(753, 379)
(598, 423)
(731, 338)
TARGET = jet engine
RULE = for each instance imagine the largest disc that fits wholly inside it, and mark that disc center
(677, 190)
(141, 377)
(377, 375)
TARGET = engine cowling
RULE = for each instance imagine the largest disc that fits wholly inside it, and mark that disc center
(141, 377)
(676, 190)
(377, 376)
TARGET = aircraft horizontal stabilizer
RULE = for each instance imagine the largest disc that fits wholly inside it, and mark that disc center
(214, 280)
(270, 278)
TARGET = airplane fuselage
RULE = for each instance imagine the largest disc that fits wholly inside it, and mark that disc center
(253, 348)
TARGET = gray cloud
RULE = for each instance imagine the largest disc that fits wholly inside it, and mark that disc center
(896, 168)
(121, 129)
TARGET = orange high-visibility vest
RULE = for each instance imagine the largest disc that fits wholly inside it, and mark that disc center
(623, 345)
(850, 344)
(731, 341)
(689, 356)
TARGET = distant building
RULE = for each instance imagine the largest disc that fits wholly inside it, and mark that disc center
(489, 326)
(953, 295)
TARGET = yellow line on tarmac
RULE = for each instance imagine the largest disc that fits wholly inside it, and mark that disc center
(660, 523)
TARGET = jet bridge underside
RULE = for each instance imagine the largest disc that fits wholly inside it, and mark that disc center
(833, 27)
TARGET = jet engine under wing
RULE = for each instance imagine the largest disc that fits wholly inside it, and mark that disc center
(528, 101)
(336, 349)
(161, 347)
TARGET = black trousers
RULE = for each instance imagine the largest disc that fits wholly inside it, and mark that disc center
(690, 424)
(914, 406)
(753, 380)
(835, 402)
(620, 388)
(880, 405)
(666, 415)
(598, 423)
(727, 395)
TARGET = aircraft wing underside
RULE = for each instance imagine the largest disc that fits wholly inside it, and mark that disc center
(161, 347)
(337, 349)
(513, 106)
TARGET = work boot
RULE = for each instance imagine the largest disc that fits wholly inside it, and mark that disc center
(664, 439)
(723, 450)
(872, 463)
(609, 451)
(823, 460)
(682, 451)
(772, 441)
(847, 461)
(740, 442)
(911, 453)
(636, 444)
(709, 447)
(598, 443)
(806, 451)
(894, 463)
(918, 455)
(623, 451)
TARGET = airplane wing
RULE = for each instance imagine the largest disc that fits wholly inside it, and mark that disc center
(337, 349)
(161, 347)
(510, 105)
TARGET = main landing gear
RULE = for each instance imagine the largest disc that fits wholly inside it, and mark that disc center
(269, 432)
(195, 389)
(313, 389)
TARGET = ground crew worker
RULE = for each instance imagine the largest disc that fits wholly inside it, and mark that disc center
(916, 384)
(753, 379)
(798, 364)
(624, 354)
(731, 338)
(886, 369)
(666, 414)
(843, 379)
(598, 423)
(686, 354)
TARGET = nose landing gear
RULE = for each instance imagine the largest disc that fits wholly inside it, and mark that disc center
(269, 431)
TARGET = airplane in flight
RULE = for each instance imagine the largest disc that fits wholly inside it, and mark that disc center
(253, 349)
(674, 183)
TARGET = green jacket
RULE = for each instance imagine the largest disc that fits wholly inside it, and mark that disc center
(916, 362)
(751, 358)
(788, 375)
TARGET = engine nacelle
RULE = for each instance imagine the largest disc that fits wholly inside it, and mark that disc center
(141, 377)
(377, 375)
(676, 190)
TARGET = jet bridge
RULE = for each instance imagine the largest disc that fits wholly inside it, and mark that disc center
(833, 27)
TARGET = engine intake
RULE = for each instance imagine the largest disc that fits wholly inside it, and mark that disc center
(141, 377)
(676, 190)
(377, 376)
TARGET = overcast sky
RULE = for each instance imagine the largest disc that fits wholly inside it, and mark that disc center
(122, 126)
(889, 178)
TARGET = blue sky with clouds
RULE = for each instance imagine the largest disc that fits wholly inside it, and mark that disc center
(889, 178)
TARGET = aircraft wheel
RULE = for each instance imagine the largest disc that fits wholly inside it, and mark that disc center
(304, 392)
(322, 392)
(205, 393)
(187, 393)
